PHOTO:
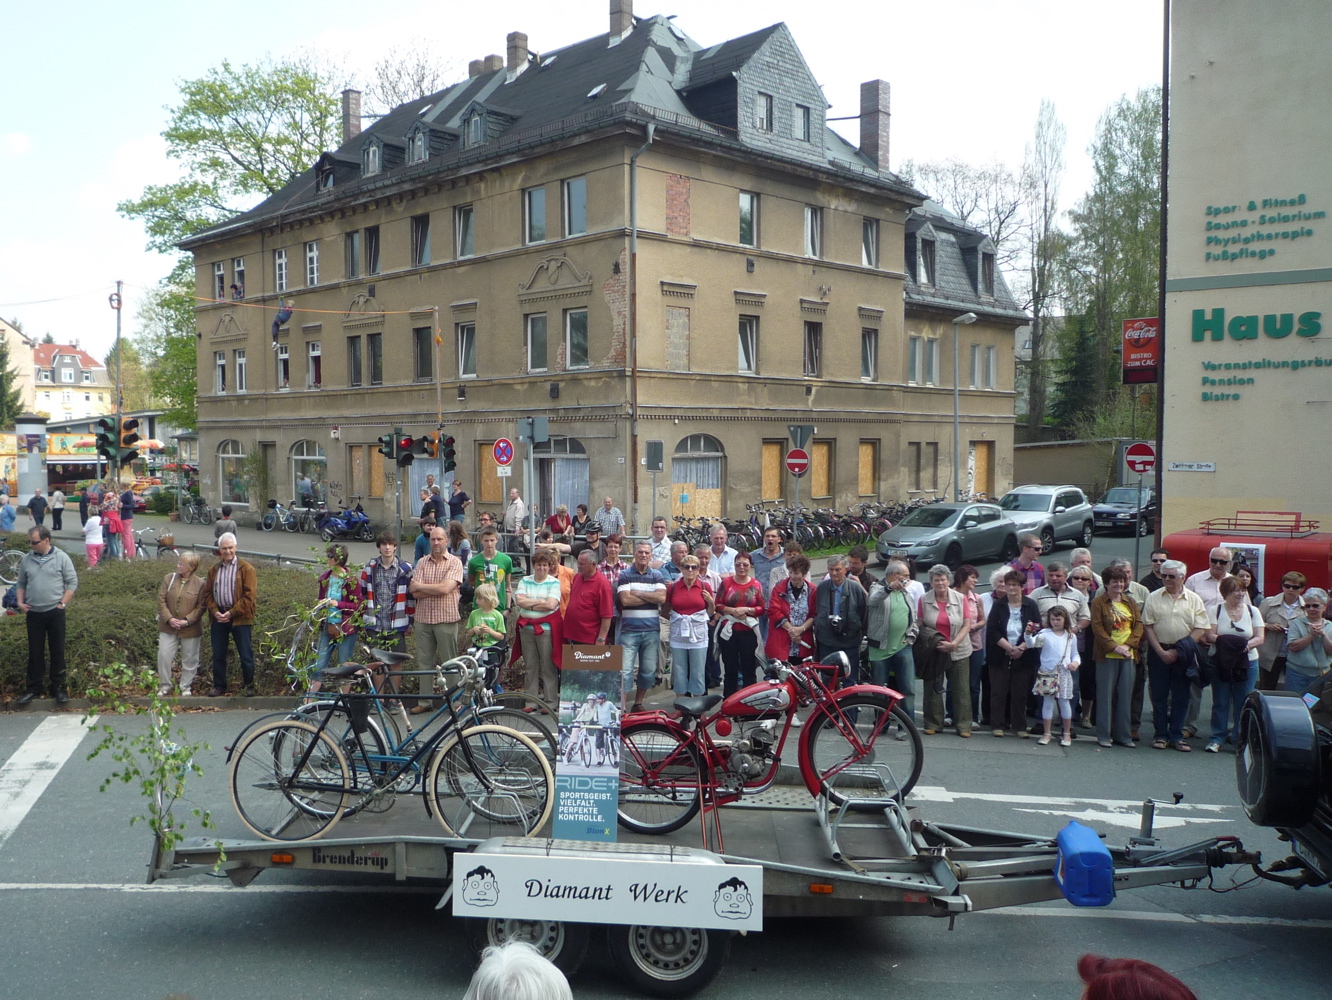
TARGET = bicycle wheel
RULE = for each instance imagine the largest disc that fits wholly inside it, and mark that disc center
(269, 521)
(188, 513)
(659, 779)
(168, 552)
(521, 701)
(528, 723)
(493, 775)
(288, 781)
(9, 566)
(870, 766)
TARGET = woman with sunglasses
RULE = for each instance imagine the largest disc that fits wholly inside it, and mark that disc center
(1081, 580)
(1236, 634)
(1277, 612)
(1310, 646)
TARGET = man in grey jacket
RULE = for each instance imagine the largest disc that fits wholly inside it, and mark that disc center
(840, 612)
(46, 585)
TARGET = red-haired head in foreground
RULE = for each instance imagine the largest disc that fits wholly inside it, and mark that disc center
(1128, 979)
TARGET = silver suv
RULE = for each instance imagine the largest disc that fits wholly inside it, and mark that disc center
(1055, 513)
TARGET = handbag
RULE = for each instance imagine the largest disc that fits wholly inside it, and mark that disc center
(1047, 684)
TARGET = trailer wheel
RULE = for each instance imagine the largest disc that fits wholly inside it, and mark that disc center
(1277, 766)
(668, 961)
(564, 944)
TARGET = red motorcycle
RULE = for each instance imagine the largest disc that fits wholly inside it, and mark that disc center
(857, 747)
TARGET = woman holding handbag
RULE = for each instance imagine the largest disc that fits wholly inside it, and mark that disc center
(1117, 633)
(1054, 677)
(340, 592)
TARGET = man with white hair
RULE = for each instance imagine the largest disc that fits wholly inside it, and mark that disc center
(230, 595)
(723, 556)
(1170, 616)
(517, 971)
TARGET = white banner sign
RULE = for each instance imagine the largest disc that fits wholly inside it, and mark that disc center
(1191, 466)
(602, 890)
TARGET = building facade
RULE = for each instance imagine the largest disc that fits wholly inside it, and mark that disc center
(68, 383)
(636, 237)
(1248, 367)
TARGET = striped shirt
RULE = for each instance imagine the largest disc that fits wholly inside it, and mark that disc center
(224, 585)
(435, 609)
(640, 618)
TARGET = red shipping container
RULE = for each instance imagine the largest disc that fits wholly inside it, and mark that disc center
(1273, 543)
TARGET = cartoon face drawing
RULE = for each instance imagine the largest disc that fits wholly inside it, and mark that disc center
(480, 887)
(733, 900)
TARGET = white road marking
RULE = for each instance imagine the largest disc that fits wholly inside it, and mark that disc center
(33, 766)
(1126, 813)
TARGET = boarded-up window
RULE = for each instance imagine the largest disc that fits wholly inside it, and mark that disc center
(356, 470)
(374, 463)
(868, 475)
(489, 486)
(982, 470)
(821, 470)
(677, 339)
(773, 470)
(696, 477)
(365, 470)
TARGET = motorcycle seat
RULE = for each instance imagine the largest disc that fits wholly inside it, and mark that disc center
(697, 706)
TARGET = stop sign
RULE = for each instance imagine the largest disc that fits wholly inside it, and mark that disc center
(1140, 457)
(797, 462)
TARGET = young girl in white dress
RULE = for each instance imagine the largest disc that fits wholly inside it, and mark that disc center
(1054, 678)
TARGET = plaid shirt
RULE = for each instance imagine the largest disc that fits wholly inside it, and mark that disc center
(375, 579)
(438, 608)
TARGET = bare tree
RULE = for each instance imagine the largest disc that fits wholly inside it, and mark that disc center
(407, 73)
(1041, 172)
(988, 198)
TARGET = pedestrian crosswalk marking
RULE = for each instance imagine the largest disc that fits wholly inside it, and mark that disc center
(34, 765)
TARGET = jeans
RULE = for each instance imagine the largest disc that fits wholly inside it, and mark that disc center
(640, 658)
(687, 666)
(1297, 679)
(219, 633)
(46, 628)
(346, 649)
(1114, 696)
(1169, 688)
(899, 673)
(977, 679)
(1228, 700)
(737, 656)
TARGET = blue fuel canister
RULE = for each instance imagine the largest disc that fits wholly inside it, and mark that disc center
(1084, 870)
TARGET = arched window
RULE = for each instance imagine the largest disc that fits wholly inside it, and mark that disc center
(231, 473)
(308, 461)
(563, 472)
(696, 476)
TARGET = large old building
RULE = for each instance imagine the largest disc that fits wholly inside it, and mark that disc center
(641, 239)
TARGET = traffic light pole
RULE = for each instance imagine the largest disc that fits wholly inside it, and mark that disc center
(397, 479)
(439, 399)
(113, 465)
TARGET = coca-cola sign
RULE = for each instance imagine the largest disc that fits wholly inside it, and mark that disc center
(1142, 350)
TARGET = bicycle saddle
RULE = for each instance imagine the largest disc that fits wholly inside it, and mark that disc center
(389, 656)
(344, 670)
(697, 706)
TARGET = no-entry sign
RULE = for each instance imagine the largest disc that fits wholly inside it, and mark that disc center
(1140, 457)
(797, 462)
(503, 451)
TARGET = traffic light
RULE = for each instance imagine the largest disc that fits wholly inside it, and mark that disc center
(428, 445)
(106, 438)
(388, 445)
(129, 439)
(447, 450)
(406, 450)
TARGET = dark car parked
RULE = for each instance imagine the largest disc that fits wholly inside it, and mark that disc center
(1121, 508)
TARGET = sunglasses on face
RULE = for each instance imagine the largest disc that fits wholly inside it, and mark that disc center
(1159, 562)
(1220, 562)
(1169, 576)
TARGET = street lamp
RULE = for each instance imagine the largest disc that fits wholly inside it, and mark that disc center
(966, 319)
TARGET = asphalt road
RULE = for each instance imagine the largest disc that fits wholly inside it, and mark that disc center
(77, 919)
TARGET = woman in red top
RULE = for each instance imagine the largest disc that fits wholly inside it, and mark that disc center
(790, 623)
(740, 605)
(689, 605)
(561, 525)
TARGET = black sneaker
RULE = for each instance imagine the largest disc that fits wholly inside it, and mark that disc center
(249, 691)
(62, 698)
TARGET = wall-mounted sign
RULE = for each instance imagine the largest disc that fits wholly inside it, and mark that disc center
(1190, 466)
(1142, 350)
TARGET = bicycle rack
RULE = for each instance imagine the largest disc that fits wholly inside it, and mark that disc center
(878, 776)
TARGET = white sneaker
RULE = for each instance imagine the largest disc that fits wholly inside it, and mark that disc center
(187, 694)
(1212, 748)
(164, 693)
(796, 721)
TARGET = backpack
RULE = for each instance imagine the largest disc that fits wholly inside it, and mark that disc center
(10, 600)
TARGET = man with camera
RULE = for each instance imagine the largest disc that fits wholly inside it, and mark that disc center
(840, 612)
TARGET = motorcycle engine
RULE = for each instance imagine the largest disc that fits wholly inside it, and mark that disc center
(751, 752)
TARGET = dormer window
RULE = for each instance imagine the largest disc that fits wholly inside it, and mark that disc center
(925, 263)
(763, 112)
(476, 129)
(416, 151)
(326, 179)
(987, 273)
(371, 159)
(45, 375)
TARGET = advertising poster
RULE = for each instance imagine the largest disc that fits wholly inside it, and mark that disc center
(1142, 350)
(587, 771)
(1253, 553)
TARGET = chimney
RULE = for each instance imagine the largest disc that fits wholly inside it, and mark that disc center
(621, 17)
(474, 68)
(491, 63)
(517, 53)
(874, 117)
(351, 114)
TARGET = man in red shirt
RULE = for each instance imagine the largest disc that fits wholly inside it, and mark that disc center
(587, 619)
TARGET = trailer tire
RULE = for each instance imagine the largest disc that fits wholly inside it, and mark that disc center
(562, 943)
(668, 961)
(1277, 764)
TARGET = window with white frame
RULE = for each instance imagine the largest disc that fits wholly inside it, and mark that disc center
(749, 219)
(280, 270)
(66, 374)
(67, 397)
(418, 150)
(371, 249)
(813, 231)
(915, 363)
(353, 360)
(813, 349)
(575, 338)
(283, 367)
(931, 361)
(747, 363)
(219, 372)
(975, 375)
(87, 378)
(370, 160)
(869, 242)
(219, 281)
(464, 237)
(925, 262)
(763, 112)
(869, 354)
(534, 215)
(231, 472)
(242, 379)
(536, 342)
(314, 365)
(374, 353)
(420, 240)
(991, 373)
(45, 375)
(987, 273)
(476, 129)
(802, 123)
(575, 206)
(351, 245)
(238, 278)
(311, 264)
(423, 353)
(467, 350)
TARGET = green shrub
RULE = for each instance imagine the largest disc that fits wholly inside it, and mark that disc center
(113, 618)
(163, 502)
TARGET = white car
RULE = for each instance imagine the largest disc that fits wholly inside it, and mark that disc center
(1055, 513)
